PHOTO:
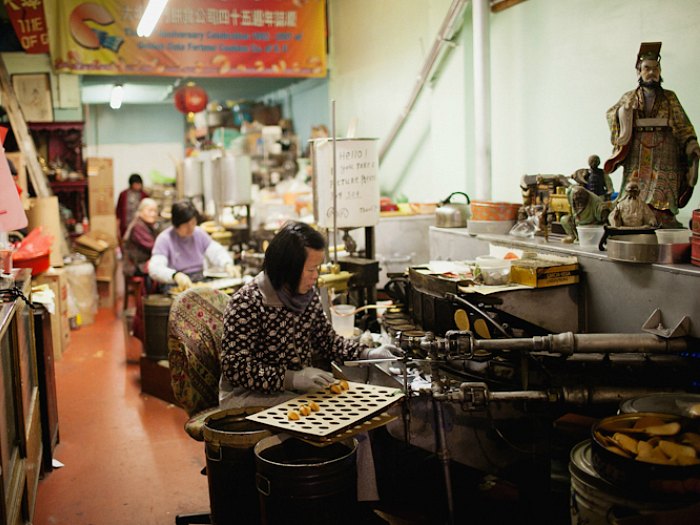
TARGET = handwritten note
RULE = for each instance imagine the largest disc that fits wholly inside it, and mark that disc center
(357, 182)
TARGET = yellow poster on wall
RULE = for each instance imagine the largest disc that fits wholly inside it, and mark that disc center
(207, 38)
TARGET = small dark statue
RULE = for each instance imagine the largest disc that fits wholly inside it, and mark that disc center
(594, 179)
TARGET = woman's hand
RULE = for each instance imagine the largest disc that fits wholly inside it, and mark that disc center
(385, 351)
(183, 280)
(307, 379)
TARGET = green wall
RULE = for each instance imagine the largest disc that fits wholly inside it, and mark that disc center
(556, 67)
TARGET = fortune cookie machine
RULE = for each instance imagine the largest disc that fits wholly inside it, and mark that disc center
(505, 383)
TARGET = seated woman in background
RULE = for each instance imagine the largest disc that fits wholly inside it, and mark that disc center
(139, 239)
(180, 251)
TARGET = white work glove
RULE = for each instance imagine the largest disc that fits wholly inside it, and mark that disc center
(385, 351)
(307, 379)
(233, 271)
(182, 280)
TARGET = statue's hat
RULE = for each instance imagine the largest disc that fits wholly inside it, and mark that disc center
(649, 51)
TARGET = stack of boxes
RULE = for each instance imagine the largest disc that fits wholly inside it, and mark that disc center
(103, 225)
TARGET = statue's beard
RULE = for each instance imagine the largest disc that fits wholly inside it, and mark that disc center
(653, 84)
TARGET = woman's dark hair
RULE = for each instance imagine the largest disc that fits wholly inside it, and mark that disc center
(182, 212)
(286, 254)
(134, 178)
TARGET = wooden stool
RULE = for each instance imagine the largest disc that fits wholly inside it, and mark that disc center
(133, 286)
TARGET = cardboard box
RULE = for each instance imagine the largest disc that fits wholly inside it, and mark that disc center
(545, 270)
(60, 326)
(43, 211)
(100, 186)
(107, 269)
(104, 227)
(100, 172)
(107, 293)
(101, 201)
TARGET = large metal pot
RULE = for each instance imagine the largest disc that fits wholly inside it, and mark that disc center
(453, 214)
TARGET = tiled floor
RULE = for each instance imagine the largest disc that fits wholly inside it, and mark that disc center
(127, 458)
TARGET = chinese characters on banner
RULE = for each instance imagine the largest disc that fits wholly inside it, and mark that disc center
(27, 17)
(207, 38)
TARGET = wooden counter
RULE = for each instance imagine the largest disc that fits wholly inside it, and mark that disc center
(20, 428)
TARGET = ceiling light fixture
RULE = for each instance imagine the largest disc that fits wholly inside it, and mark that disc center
(150, 17)
(117, 96)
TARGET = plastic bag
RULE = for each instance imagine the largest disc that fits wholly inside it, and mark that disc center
(33, 245)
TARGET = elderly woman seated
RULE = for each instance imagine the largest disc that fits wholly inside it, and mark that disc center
(139, 239)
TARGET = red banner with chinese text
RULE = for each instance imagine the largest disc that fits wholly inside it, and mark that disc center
(207, 38)
(27, 17)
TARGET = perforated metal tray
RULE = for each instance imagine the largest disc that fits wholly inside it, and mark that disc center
(359, 408)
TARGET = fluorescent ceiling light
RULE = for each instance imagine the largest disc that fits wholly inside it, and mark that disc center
(117, 97)
(150, 17)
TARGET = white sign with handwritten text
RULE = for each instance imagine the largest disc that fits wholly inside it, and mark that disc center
(357, 183)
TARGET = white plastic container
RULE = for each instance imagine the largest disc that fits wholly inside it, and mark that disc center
(589, 235)
(343, 319)
(673, 236)
(494, 271)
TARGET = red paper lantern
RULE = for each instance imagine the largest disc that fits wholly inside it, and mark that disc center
(190, 99)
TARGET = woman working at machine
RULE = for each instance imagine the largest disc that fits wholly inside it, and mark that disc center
(180, 251)
(273, 325)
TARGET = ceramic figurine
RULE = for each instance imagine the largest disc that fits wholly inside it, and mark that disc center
(654, 141)
(587, 208)
(631, 211)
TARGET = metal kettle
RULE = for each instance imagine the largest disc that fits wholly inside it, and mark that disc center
(453, 214)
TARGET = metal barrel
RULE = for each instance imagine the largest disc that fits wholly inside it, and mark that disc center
(300, 483)
(229, 440)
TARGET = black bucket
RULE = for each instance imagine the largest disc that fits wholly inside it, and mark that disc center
(300, 483)
(229, 440)
(156, 309)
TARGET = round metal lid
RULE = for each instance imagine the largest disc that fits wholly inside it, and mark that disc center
(678, 404)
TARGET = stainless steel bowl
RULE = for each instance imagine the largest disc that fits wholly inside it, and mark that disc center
(640, 248)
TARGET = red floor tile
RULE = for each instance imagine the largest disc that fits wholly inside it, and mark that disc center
(127, 458)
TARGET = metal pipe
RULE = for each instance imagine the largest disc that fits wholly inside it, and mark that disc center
(482, 99)
(449, 27)
(608, 394)
(569, 343)
(477, 394)
(335, 187)
(443, 454)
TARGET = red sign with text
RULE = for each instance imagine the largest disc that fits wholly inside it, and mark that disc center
(27, 17)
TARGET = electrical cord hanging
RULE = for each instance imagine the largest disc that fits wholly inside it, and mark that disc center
(12, 294)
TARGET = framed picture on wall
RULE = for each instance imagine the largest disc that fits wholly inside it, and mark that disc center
(33, 94)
